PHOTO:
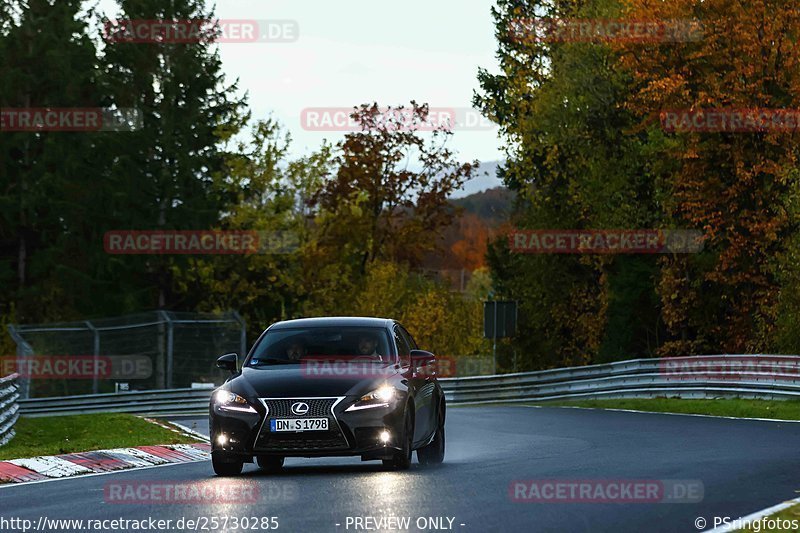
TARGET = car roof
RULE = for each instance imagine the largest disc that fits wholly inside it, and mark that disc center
(334, 321)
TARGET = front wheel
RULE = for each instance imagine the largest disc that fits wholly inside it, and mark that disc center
(433, 453)
(226, 466)
(402, 458)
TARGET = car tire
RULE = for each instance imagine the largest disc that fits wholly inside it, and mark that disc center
(270, 463)
(433, 453)
(226, 467)
(402, 458)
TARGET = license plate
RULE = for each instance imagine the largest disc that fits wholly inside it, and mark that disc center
(298, 424)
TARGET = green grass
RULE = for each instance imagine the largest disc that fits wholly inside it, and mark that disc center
(792, 513)
(81, 433)
(784, 410)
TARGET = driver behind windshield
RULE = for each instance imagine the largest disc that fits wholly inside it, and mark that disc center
(367, 345)
(295, 351)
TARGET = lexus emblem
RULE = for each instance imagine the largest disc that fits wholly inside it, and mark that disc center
(299, 408)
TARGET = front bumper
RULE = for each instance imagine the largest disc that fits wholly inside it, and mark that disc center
(350, 433)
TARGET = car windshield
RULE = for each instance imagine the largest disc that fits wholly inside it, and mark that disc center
(290, 346)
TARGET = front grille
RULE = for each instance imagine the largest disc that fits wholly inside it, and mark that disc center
(333, 439)
(317, 408)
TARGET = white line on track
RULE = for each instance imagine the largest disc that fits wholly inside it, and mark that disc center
(755, 517)
(191, 431)
(659, 413)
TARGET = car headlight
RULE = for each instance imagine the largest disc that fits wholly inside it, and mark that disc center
(380, 397)
(231, 401)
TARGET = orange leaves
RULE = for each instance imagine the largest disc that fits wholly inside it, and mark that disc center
(734, 186)
(470, 250)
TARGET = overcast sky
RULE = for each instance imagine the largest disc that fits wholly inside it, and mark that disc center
(360, 51)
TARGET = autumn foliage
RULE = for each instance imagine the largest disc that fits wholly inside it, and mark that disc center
(733, 186)
(588, 150)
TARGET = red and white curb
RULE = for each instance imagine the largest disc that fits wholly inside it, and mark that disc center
(102, 461)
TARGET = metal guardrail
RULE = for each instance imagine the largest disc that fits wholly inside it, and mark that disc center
(9, 408)
(152, 403)
(639, 378)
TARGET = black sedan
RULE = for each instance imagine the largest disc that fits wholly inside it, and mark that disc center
(329, 387)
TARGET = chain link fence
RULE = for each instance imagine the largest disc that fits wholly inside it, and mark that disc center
(144, 351)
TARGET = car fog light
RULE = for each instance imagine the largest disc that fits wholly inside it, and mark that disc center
(222, 440)
(385, 436)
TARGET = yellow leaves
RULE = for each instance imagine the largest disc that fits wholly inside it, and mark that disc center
(440, 321)
(670, 90)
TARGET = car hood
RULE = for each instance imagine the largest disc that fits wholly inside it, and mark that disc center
(294, 382)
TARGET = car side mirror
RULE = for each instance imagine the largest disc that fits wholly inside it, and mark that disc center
(228, 362)
(423, 364)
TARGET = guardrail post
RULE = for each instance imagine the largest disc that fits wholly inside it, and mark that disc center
(96, 354)
(494, 341)
(169, 348)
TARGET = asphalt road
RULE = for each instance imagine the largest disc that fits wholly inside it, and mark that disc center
(744, 466)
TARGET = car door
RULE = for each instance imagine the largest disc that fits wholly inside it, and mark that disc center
(424, 388)
(414, 382)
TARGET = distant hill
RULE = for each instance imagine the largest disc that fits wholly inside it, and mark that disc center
(462, 249)
(493, 206)
(486, 178)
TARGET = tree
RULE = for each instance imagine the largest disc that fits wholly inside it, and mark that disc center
(574, 166)
(377, 202)
(47, 178)
(732, 186)
(165, 172)
(266, 192)
(446, 323)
